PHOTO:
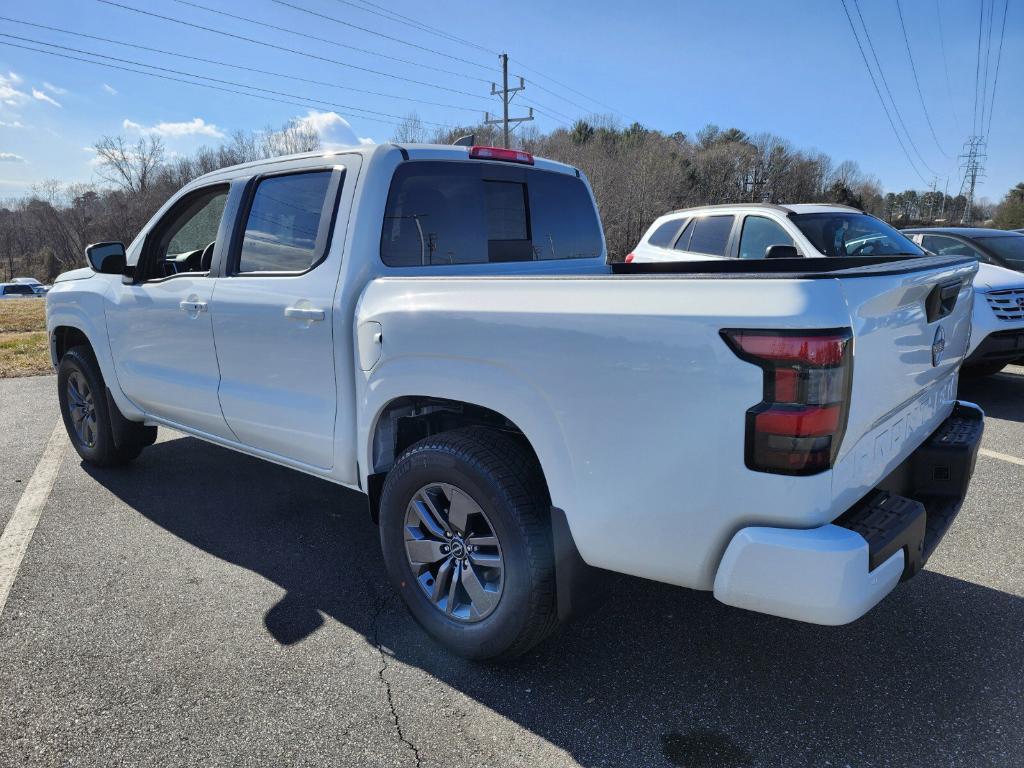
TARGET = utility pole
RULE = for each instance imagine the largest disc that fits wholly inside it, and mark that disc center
(506, 94)
(973, 164)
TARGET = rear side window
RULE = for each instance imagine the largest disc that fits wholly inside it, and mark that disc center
(474, 213)
(665, 235)
(283, 228)
(710, 235)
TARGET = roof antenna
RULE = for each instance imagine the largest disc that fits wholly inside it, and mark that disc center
(468, 140)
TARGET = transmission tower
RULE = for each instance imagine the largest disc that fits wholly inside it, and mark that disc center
(972, 163)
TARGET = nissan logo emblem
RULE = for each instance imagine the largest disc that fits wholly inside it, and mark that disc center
(938, 345)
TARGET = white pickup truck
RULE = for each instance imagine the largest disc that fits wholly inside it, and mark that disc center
(438, 328)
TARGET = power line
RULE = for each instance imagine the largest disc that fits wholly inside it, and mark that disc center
(387, 13)
(977, 66)
(179, 80)
(945, 64)
(329, 41)
(390, 15)
(346, 107)
(241, 67)
(885, 107)
(365, 29)
(307, 54)
(917, 83)
(999, 58)
(988, 54)
(568, 88)
(885, 83)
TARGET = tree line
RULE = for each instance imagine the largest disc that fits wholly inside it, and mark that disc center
(637, 174)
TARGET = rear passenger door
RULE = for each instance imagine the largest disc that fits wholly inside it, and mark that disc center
(273, 308)
(705, 237)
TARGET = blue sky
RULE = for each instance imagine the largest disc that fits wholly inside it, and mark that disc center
(791, 68)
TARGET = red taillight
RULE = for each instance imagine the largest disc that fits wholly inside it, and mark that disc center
(497, 153)
(630, 257)
(798, 426)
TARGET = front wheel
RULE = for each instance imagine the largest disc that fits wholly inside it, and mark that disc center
(100, 435)
(465, 530)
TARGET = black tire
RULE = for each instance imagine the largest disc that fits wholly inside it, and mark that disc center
(502, 477)
(113, 440)
(982, 369)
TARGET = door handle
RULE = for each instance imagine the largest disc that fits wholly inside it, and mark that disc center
(303, 313)
(192, 306)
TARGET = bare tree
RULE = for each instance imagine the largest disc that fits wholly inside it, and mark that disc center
(410, 131)
(130, 167)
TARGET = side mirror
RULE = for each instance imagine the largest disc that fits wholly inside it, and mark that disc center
(781, 252)
(106, 258)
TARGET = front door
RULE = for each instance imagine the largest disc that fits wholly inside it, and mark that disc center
(272, 316)
(159, 327)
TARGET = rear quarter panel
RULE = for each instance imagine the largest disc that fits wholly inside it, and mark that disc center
(632, 401)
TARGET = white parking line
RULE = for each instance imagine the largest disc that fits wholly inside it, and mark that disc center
(18, 532)
(1001, 456)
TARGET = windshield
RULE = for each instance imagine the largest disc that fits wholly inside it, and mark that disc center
(853, 234)
(1009, 248)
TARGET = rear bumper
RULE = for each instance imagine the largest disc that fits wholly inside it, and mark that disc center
(998, 347)
(836, 573)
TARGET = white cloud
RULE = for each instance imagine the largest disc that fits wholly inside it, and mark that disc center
(334, 130)
(10, 157)
(42, 96)
(110, 89)
(194, 127)
(54, 88)
(9, 94)
(11, 124)
(366, 140)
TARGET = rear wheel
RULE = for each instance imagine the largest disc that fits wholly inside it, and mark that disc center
(465, 531)
(100, 434)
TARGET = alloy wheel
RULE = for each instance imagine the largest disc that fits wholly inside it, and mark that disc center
(453, 552)
(82, 409)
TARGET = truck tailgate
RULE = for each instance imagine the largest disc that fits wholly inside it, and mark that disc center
(910, 332)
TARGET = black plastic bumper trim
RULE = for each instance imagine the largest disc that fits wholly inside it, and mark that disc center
(922, 497)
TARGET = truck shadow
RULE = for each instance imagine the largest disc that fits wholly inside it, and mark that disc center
(998, 395)
(660, 676)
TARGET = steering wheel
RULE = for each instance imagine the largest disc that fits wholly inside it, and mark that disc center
(856, 251)
(206, 259)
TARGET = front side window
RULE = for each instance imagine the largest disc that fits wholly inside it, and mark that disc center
(1010, 248)
(472, 213)
(710, 235)
(949, 246)
(760, 234)
(853, 234)
(283, 228)
(183, 241)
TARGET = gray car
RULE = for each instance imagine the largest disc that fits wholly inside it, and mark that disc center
(992, 246)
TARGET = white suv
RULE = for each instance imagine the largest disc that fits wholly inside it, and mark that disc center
(766, 231)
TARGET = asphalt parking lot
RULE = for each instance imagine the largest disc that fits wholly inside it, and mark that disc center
(205, 608)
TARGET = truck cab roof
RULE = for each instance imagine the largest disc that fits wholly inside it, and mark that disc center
(369, 151)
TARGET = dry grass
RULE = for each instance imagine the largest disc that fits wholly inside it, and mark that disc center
(24, 350)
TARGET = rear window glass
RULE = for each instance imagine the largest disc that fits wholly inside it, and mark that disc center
(19, 290)
(665, 235)
(710, 235)
(473, 213)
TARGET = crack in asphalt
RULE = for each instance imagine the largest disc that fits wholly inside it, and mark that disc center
(387, 685)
